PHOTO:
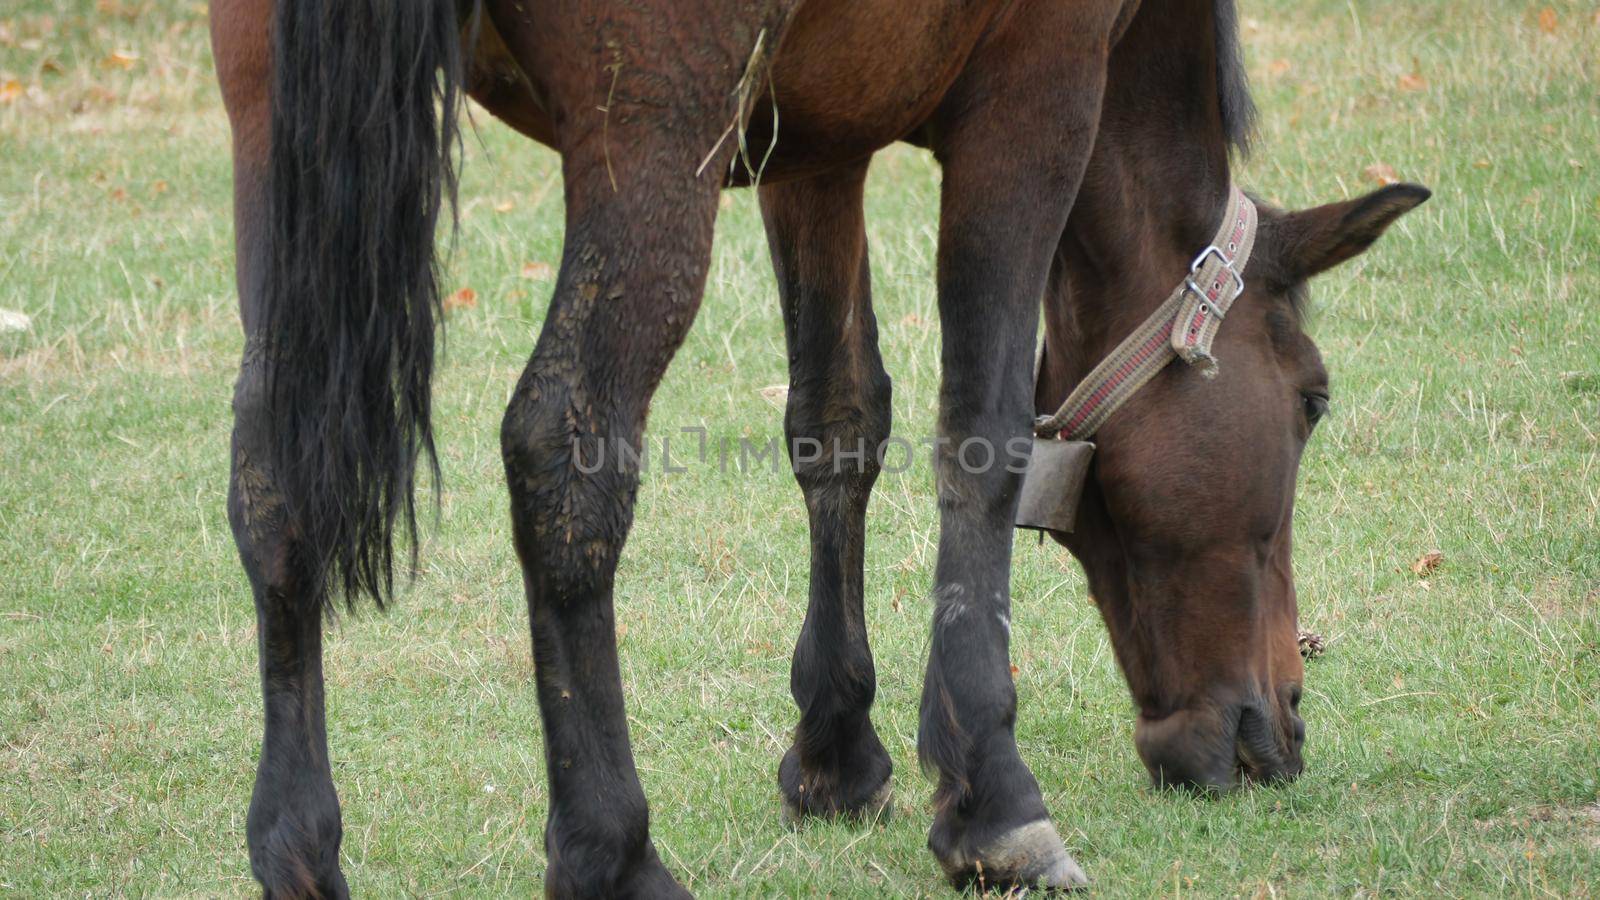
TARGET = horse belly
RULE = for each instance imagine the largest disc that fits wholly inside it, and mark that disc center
(853, 76)
(848, 78)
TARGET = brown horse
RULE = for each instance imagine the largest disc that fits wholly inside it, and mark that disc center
(1085, 150)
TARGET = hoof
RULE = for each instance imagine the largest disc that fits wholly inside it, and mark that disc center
(1030, 856)
(878, 808)
(853, 785)
(293, 838)
(646, 878)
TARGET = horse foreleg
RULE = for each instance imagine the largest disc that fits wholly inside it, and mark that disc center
(838, 416)
(1013, 154)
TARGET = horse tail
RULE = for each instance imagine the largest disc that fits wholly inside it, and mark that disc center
(365, 95)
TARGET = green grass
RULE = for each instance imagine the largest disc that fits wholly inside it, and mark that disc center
(1455, 723)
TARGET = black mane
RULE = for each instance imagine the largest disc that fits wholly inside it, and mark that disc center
(1233, 87)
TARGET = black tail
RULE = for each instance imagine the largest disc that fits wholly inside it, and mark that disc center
(364, 101)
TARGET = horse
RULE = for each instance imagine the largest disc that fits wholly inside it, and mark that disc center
(1086, 151)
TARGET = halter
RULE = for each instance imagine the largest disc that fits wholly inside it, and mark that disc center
(1183, 327)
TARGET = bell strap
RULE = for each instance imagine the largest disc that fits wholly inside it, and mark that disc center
(1182, 327)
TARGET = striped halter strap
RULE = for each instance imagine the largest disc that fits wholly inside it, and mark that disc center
(1183, 328)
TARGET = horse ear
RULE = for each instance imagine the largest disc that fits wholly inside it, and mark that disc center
(1320, 238)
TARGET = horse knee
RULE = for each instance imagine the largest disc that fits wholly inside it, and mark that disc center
(837, 446)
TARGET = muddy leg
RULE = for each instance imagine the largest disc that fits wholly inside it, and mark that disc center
(642, 98)
(627, 293)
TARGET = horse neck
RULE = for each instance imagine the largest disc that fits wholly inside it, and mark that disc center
(1153, 194)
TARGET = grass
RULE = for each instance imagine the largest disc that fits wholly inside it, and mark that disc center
(1455, 723)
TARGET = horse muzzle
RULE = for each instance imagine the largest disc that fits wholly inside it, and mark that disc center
(1219, 748)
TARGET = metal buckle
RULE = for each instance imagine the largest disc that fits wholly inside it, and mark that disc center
(1227, 266)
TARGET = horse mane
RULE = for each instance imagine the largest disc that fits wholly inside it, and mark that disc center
(1233, 87)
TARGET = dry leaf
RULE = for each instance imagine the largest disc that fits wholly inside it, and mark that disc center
(1547, 20)
(116, 8)
(1382, 173)
(1481, 164)
(1014, 671)
(466, 298)
(776, 394)
(1426, 563)
(1278, 67)
(505, 206)
(120, 59)
(10, 90)
(1412, 81)
(537, 271)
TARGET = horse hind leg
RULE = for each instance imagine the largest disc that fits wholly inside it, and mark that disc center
(331, 408)
(632, 273)
(838, 416)
(627, 292)
(293, 828)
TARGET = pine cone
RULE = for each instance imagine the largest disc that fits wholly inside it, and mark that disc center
(1312, 644)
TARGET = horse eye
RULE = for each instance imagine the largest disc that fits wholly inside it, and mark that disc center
(1316, 406)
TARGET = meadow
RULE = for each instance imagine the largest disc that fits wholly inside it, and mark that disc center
(1454, 719)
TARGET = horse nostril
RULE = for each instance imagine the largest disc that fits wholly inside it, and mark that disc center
(1297, 725)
